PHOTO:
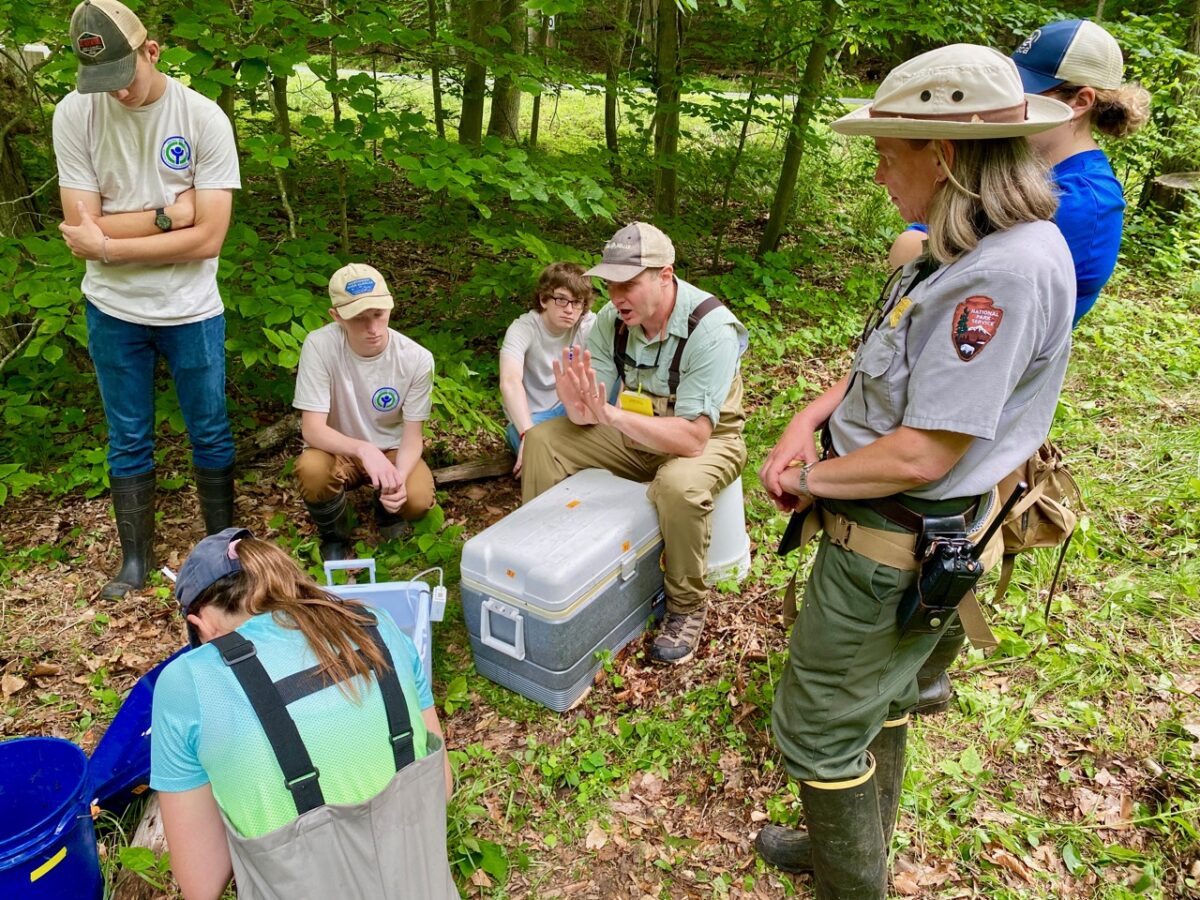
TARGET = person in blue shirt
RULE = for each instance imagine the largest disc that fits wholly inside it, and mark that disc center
(1080, 64)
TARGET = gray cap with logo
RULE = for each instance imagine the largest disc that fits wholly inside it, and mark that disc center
(105, 35)
(635, 248)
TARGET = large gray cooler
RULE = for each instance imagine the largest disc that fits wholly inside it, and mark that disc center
(574, 572)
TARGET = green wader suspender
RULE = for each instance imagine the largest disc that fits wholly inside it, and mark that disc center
(270, 700)
(621, 342)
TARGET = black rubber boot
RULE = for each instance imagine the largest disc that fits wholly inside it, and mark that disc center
(215, 488)
(391, 525)
(849, 855)
(133, 503)
(332, 518)
(933, 682)
(790, 849)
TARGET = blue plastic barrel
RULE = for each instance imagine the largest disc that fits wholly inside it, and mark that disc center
(47, 840)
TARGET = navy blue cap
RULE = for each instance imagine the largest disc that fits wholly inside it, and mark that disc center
(208, 562)
(1040, 55)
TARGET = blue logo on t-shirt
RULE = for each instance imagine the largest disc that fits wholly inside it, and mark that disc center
(385, 399)
(359, 286)
(176, 153)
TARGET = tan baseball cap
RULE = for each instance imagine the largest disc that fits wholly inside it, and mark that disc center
(105, 35)
(961, 91)
(635, 248)
(356, 288)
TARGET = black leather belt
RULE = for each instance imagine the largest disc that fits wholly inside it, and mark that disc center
(909, 519)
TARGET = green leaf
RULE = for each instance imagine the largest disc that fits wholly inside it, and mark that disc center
(1071, 859)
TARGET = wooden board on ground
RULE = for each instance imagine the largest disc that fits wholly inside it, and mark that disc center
(487, 467)
(149, 834)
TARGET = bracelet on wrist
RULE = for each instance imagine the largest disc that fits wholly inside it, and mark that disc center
(104, 249)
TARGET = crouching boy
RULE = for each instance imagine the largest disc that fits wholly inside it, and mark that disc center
(364, 391)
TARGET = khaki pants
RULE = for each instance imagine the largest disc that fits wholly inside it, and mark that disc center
(682, 489)
(322, 475)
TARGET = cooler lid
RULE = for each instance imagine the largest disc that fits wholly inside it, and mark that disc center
(554, 549)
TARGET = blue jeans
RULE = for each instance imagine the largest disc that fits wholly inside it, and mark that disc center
(125, 355)
(514, 439)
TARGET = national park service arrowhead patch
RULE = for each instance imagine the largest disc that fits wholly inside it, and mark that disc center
(976, 321)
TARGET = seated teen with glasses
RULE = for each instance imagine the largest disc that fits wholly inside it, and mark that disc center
(559, 317)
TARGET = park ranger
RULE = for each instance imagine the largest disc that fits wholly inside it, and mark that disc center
(953, 386)
(672, 352)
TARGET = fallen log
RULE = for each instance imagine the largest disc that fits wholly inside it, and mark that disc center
(267, 439)
(487, 467)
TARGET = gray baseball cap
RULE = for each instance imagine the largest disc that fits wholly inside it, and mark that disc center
(209, 561)
(105, 35)
(635, 248)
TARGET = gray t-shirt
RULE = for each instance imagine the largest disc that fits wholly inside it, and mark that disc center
(528, 340)
(368, 399)
(140, 159)
(980, 348)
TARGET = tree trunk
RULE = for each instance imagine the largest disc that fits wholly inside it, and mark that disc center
(722, 221)
(17, 209)
(336, 98)
(505, 120)
(810, 92)
(543, 37)
(1159, 188)
(435, 71)
(474, 91)
(283, 127)
(666, 111)
(614, 50)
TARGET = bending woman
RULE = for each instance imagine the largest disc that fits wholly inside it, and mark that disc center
(954, 385)
(297, 747)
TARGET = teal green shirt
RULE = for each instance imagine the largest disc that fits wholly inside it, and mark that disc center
(204, 730)
(710, 359)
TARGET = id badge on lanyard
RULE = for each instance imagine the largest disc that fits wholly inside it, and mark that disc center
(636, 402)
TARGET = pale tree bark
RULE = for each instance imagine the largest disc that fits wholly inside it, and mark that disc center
(810, 93)
(470, 120)
(666, 111)
(505, 120)
(614, 49)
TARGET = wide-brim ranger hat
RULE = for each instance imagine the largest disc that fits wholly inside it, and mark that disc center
(356, 288)
(962, 91)
(1075, 51)
(105, 35)
(636, 247)
(210, 561)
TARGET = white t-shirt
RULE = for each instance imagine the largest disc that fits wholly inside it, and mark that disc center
(528, 340)
(140, 159)
(368, 399)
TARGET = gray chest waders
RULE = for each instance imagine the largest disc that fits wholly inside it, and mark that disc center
(390, 847)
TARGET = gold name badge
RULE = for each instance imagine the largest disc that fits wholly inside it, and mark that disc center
(636, 403)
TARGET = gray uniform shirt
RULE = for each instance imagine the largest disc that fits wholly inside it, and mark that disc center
(980, 347)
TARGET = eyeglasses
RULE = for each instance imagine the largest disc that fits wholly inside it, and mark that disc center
(564, 302)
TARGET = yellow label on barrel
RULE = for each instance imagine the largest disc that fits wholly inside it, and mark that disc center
(636, 403)
(48, 865)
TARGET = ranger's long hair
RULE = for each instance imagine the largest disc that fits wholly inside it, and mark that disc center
(270, 582)
(992, 185)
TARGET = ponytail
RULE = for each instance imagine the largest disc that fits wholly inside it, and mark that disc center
(334, 628)
(1119, 113)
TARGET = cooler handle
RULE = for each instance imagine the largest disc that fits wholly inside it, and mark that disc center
(628, 565)
(330, 567)
(491, 608)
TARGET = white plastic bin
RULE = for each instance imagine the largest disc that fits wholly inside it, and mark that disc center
(410, 603)
(729, 549)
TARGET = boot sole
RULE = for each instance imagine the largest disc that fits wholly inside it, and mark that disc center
(671, 662)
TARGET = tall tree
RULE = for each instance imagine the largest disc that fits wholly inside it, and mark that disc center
(614, 48)
(474, 90)
(535, 116)
(811, 85)
(506, 93)
(435, 69)
(666, 110)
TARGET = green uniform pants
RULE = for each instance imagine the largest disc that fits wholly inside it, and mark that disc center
(848, 667)
(682, 489)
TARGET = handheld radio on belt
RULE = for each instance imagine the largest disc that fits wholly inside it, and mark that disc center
(950, 567)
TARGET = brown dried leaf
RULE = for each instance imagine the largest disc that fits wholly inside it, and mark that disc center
(596, 838)
(476, 492)
(479, 878)
(1006, 860)
(11, 684)
(906, 883)
(45, 670)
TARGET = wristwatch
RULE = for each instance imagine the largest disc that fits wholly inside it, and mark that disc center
(804, 491)
(162, 220)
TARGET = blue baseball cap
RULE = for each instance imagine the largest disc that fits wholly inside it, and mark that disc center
(209, 561)
(1075, 51)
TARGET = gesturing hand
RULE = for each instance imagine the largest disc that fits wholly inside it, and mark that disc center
(571, 382)
(85, 240)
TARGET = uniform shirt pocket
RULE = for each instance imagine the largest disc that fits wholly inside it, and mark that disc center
(871, 398)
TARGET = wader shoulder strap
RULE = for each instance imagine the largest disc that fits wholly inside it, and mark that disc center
(621, 343)
(400, 732)
(300, 776)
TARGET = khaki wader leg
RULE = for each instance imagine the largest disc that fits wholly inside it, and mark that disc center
(559, 448)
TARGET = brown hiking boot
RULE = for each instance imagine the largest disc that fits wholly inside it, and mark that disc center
(678, 637)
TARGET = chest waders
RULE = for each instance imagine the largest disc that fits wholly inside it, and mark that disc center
(390, 847)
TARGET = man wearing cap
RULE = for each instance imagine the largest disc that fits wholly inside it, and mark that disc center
(147, 170)
(670, 353)
(364, 391)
